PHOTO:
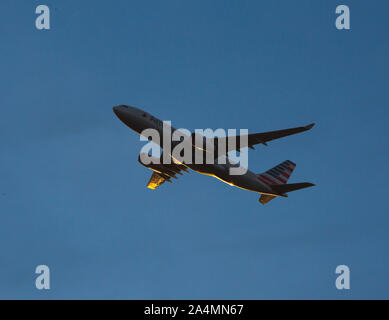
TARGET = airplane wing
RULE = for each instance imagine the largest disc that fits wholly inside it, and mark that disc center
(263, 138)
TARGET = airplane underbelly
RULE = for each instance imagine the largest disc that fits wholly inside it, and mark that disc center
(241, 181)
(247, 181)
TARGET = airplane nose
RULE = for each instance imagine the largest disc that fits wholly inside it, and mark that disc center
(121, 112)
(117, 111)
(128, 115)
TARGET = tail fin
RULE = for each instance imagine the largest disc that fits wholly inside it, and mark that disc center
(277, 178)
(280, 174)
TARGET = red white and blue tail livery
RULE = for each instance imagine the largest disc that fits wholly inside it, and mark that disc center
(280, 174)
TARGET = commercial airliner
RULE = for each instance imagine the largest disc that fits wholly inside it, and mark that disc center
(270, 184)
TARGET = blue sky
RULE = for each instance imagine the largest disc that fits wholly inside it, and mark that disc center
(73, 196)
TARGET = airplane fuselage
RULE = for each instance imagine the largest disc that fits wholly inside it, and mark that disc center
(139, 120)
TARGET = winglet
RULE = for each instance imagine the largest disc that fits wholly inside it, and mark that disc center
(310, 126)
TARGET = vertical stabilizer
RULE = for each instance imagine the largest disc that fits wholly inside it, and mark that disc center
(280, 174)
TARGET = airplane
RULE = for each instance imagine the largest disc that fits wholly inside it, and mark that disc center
(270, 184)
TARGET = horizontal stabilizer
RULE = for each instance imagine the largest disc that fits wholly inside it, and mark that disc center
(265, 198)
(284, 188)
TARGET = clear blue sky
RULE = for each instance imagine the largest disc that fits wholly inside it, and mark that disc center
(73, 195)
